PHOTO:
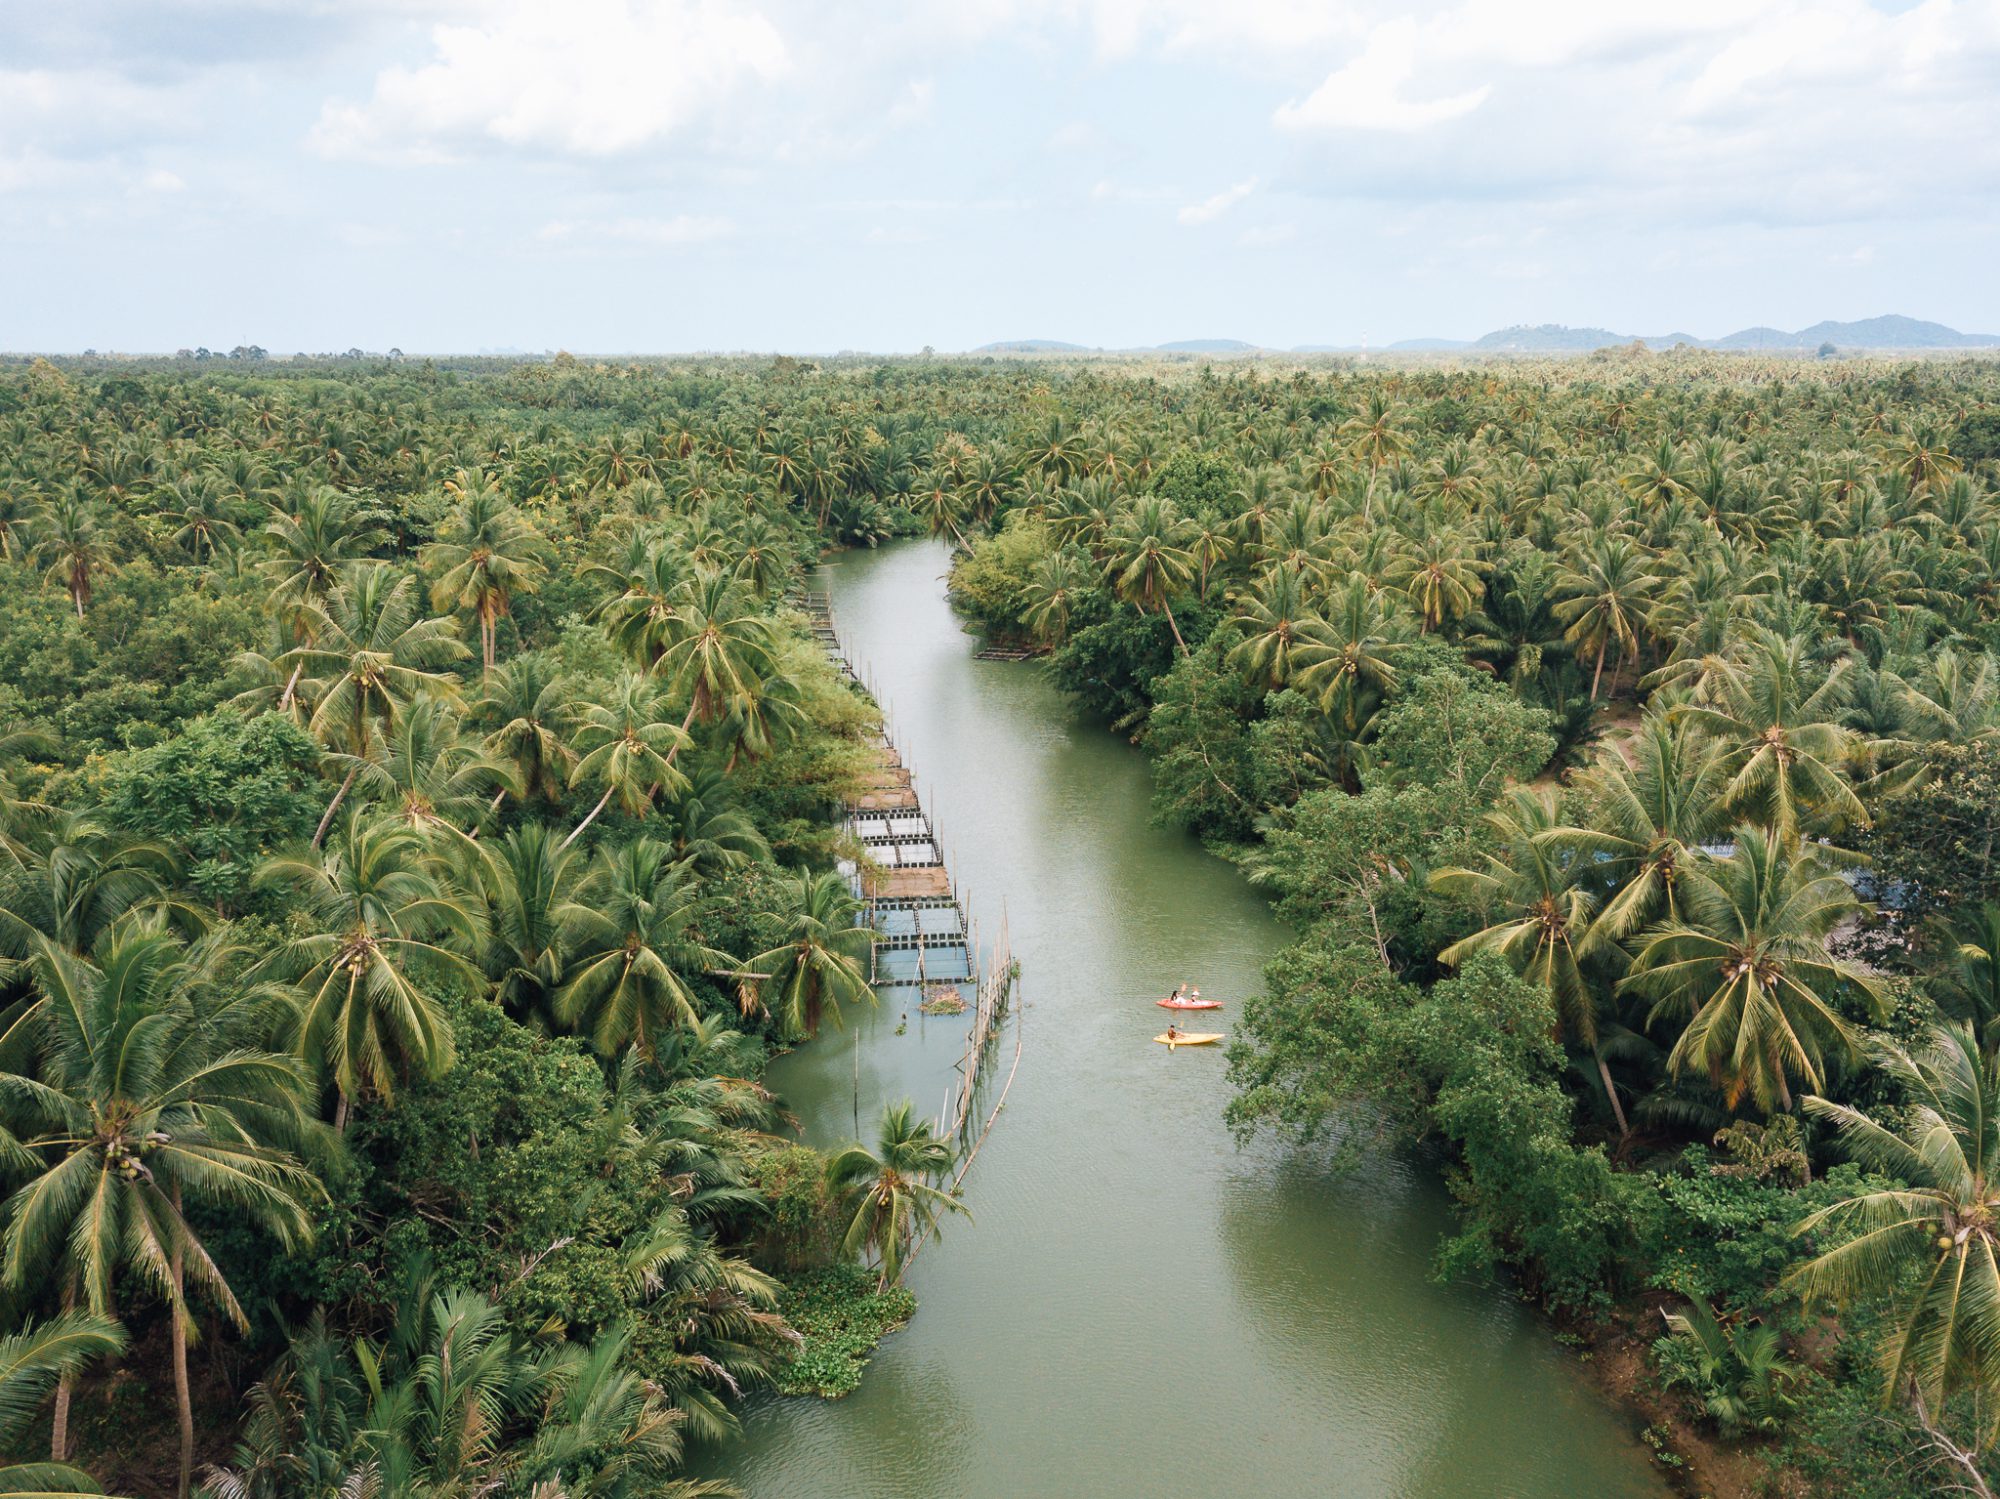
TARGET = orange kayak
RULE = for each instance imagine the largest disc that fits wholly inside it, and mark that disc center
(1188, 1004)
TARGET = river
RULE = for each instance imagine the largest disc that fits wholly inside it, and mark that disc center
(1140, 1310)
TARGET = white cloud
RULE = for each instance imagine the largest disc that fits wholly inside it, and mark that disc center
(1210, 209)
(1368, 94)
(160, 180)
(579, 77)
(1268, 236)
(681, 229)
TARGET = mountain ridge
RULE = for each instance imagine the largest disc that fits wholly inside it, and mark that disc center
(1890, 331)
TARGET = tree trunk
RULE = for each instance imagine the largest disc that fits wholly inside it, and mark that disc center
(1784, 1093)
(587, 821)
(59, 1429)
(320, 835)
(1611, 1092)
(1597, 675)
(1168, 610)
(183, 1401)
(340, 1113)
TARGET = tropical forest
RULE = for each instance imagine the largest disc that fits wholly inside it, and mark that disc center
(445, 1041)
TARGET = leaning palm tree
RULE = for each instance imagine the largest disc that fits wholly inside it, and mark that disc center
(1544, 918)
(1777, 717)
(636, 951)
(368, 653)
(817, 970)
(1609, 587)
(140, 1109)
(380, 927)
(892, 1189)
(1050, 597)
(627, 744)
(485, 553)
(529, 884)
(32, 1361)
(1929, 1245)
(70, 538)
(526, 708)
(1651, 809)
(1146, 564)
(1746, 966)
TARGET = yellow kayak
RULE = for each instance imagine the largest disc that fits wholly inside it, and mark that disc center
(1189, 1038)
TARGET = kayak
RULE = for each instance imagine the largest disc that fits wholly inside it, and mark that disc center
(1189, 1038)
(1188, 1004)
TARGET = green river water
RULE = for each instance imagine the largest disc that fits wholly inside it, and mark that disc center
(1140, 1310)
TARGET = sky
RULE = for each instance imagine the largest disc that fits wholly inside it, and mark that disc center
(615, 176)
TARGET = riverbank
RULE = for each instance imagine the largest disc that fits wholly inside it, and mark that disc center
(1124, 1249)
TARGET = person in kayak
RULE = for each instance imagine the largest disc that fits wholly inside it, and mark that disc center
(1173, 1034)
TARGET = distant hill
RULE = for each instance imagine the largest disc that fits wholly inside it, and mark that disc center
(1031, 346)
(1549, 338)
(1892, 332)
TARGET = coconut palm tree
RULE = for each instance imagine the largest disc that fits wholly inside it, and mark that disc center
(1746, 967)
(1777, 717)
(1146, 564)
(707, 831)
(527, 704)
(817, 970)
(1442, 576)
(32, 1361)
(486, 552)
(139, 1109)
(718, 648)
(1349, 660)
(1546, 914)
(529, 884)
(1650, 811)
(72, 877)
(627, 745)
(1928, 1245)
(1610, 588)
(892, 1191)
(636, 950)
(313, 536)
(423, 775)
(368, 654)
(1049, 598)
(381, 927)
(1278, 628)
(71, 542)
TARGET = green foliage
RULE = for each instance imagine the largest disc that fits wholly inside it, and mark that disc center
(1446, 726)
(226, 790)
(840, 1316)
(1201, 751)
(987, 581)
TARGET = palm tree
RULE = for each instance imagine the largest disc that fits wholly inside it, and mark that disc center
(708, 832)
(1146, 565)
(74, 877)
(1278, 626)
(1349, 661)
(140, 1108)
(1050, 596)
(1546, 918)
(1746, 965)
(529, 882)
(31, 1361)
(1651, 810)
(69, 534)
(818, 968)
(635, 948)
(528, 704)
(381, 924)
(626, 744)
(368, 654)
(486, 552)
(718, 648)
(1930, 1243)
(424, 776)
(312, 543)
(891, 1189)
(1777, 718)
(1610, 586)
(1441, 575)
